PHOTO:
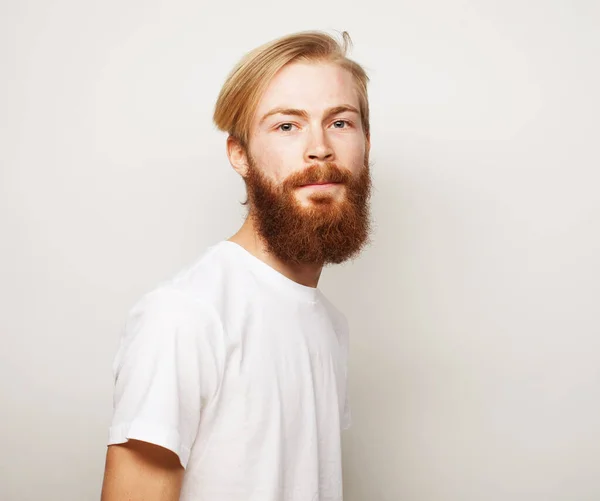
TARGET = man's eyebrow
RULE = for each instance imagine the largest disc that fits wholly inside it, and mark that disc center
(341, 109)
(302, 113)
(284, 111)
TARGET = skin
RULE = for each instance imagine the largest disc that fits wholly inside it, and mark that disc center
(281, 144)
(139, 471)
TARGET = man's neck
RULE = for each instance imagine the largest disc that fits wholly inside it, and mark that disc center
(248, 238)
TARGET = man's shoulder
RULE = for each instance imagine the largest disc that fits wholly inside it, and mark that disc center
(168, 307)
(202, 279)
(193, 288)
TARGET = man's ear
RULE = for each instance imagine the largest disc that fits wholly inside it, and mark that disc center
(368, 146)
(237, 156)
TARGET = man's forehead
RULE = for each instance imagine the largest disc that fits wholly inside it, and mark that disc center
(314, 87)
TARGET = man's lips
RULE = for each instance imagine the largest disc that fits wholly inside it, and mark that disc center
(319, 185)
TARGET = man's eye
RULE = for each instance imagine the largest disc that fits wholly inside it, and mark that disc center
(287, 127)
(340, 124)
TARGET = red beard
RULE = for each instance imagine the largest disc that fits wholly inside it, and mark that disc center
(327, 231)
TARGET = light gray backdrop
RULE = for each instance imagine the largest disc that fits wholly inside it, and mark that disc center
(475, 364)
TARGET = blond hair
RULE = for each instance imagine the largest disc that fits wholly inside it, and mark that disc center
(245, 85)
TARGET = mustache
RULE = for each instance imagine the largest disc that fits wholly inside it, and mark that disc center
(319, 173)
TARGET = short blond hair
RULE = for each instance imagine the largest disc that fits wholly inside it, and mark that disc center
(245, 85)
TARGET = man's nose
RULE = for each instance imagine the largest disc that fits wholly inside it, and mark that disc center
(319, 148)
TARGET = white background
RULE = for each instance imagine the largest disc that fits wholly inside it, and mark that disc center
(475, 364)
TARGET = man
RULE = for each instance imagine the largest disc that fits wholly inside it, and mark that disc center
(230, 380)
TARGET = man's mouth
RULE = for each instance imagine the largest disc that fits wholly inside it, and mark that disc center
(323, 183)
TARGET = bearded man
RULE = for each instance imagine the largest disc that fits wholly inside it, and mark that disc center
(230, 380)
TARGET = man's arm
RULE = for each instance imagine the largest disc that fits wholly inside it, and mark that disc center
(140, 471)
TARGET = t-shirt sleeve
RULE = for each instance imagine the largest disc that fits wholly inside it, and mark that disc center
(167, 366)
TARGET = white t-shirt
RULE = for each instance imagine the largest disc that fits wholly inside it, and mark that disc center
(242, 373)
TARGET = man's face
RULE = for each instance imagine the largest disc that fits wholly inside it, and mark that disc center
(307, 131)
